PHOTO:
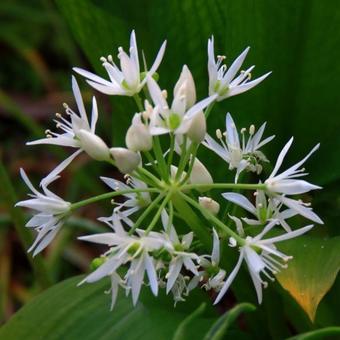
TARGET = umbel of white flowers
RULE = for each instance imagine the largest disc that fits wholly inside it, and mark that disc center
(161, 230)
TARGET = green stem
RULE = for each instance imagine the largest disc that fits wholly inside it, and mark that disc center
(155, 180)
(151, 161)
(214, 219)
(158, 213)
(244, 186)
(138, 101)
(25, 236)
(107, 195)
(208, 110)
(160, 158)
(191, 165)
(171, 217)
(192, 220)
(145, 213)
(172, 149)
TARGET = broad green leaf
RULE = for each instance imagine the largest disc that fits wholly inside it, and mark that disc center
(220, 327)
(184, 326)
(323, 333)
(297, 40)
(312, 272)
(66, 311)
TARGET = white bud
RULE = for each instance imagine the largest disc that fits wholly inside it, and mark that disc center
(186, 86)
(209, 204)
(200, 175)
(126, 160)
(198, 128)
(138, 137)
(173, 172)
(93, 145)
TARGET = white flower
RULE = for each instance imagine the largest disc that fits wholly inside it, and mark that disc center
(125, 160)
(52, 210)
(177, 118)
(134, 201)
(138, 136)
(240, 155)
(209, 204)
(125, 81)
(222, 81)
(200, 175)
(263, 210)
(77, 132)
(261, 257)
(178, 250)
(287, 183)
(125, 248)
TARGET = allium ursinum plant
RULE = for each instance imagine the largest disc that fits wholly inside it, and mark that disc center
(168, 232)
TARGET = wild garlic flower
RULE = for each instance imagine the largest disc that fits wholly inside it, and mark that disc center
(210, 274)
(181, 115)
(264, 210)
(179, 252)
(261, 257)
(51, 213)
(222, 80)
(239, 154)
(286, 183)
(126, 80)
(77, 132)
(132, 249)
(133, 201)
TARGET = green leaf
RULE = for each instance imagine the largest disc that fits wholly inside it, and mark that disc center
(220, 327)
(182, 329)
(323, 333)
(312, 272)
(66, 311)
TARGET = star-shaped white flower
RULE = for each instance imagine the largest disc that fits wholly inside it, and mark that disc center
(77, 132)
(132, 249)
(239, 154)
(261, 257)
(264, 210)
(180, 116)
(223, 81)
(134, 201)
(51, 213)
(126, 80)
(287, 183)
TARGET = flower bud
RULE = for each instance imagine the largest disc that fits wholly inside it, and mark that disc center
(209, 204)
(200, 175)
(126, 160)
(198, 128)
(186, 85)
(93, 145)
(173, 172)
(138, 137)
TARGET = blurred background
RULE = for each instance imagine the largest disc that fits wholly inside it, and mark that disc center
(40, 42)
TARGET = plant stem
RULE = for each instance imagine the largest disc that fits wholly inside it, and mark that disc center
(214, 219)
(192, 220)
(107, 195)
(138, 101)
(160, 158)
(244, 186)
(208, 110)
(145, 213)
(158, 213)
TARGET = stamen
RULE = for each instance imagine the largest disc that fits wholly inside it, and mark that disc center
(252, 129)
(165, 94)
(243, 130)
(218, 134)
(58, 115)
(65, 106)
(109, 58)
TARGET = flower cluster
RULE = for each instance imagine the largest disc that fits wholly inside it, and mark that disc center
(165, 233)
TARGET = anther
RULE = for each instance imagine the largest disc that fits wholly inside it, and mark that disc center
(218, 134)
(112, 201)
(165, 94)
(103, 59)
(243, 130)
(58, 115)
(252, 129)
(109, 58)
(65, 105)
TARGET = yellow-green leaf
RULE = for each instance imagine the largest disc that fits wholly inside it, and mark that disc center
(312, 272)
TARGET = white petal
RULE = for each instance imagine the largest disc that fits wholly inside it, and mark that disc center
(240, 200)
(151, 272)
(235, 66)
(78, 98)
(281, 157)
(174, 270)
(230, 279)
